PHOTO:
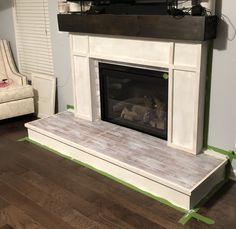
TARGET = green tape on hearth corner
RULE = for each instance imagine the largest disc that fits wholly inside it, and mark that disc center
(230, 154)
(187, 214)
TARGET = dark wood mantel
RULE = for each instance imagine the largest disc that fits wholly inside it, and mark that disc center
(197, 28)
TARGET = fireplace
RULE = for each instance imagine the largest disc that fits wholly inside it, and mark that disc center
(98, 94)
(135, 98)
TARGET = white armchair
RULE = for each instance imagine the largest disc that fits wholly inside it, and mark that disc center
(16, 96)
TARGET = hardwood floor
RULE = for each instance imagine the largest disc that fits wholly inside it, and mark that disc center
(41, 190)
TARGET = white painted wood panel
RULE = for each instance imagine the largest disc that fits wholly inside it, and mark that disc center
(186, 54)
(82, 87)
(44, 94)
(95, 86)
(80, 44)
(131, 50)
(184, 101)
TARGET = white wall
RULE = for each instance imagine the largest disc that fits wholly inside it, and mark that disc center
(61, 60)
(7, 24)
(222, 122)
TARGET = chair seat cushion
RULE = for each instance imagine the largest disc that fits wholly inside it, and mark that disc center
(15, 92)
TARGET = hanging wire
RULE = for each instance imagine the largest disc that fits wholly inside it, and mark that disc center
(227, 20)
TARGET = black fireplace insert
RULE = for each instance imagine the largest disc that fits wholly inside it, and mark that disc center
(135, 98)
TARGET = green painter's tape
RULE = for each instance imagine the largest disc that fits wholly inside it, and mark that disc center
(70, 107)
(208, 94)
(188, 214)
(186, 217)
(44, 147)
(230, 154)
(165, 76)
(203, 219)
(193, 214)
(23, 139)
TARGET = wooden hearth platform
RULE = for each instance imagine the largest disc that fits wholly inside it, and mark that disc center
(136, 158)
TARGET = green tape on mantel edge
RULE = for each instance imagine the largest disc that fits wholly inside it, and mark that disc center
(188, 214)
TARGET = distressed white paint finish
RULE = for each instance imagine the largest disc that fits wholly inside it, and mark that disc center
(183, 52)
(181, 60)
(184, 106)
(95, 88)
(82, 87)
(134, 157)
(130, 50)
(131, 147)
(80, 44)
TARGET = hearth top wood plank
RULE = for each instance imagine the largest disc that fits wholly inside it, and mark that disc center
(131, 148)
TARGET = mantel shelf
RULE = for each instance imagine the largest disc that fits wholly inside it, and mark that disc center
(197, 28)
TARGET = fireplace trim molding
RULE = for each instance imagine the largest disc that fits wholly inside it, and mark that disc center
(184, 61)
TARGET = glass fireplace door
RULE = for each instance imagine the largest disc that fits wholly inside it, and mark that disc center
(135, 98)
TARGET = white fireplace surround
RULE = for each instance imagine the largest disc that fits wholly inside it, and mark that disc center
(184, 61)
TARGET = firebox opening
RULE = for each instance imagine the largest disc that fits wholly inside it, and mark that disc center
(135, 98)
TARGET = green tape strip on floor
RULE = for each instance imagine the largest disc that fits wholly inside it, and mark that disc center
(188, 215)
(194, 213)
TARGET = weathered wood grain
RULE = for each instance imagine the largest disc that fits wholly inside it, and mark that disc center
(140, 150)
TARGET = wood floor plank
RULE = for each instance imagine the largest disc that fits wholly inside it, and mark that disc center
(55, 202)
(222, 207)
(15, 218)
(45, 185)
(3, 203)
(111, 190)
(7, 226)
(41, 215)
